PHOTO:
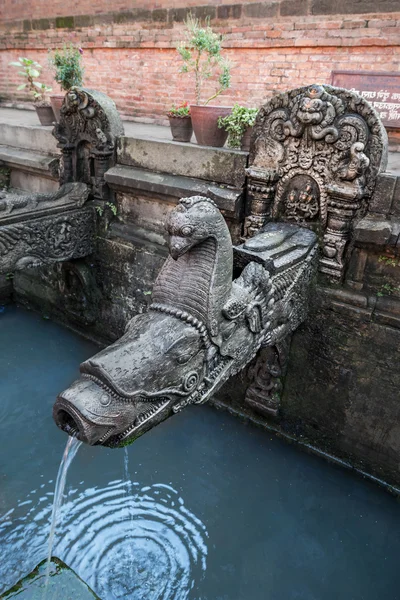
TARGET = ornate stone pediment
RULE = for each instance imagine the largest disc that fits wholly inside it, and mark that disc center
(315, 155)
(87, 131)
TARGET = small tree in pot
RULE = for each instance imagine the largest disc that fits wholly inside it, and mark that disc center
(239, 125)
(201, 53)
(30, 70)
(180, 122)
(68, 72)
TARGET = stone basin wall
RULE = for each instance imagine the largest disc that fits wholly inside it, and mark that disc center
(341, 390)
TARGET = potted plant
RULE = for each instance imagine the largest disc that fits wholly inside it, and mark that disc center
(68, 72)
(239, 125)
(30, 69)
(201, 55)
(180, 122)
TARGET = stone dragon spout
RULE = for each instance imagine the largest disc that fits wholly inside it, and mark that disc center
(200, 330)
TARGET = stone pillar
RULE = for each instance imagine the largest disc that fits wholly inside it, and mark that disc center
(67, 172)
(343, 203)
(260, 198)
(101, 165)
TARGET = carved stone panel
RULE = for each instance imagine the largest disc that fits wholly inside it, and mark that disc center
(314, 159)
(87, 131)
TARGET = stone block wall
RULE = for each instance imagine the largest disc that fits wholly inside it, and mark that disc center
(129, 53)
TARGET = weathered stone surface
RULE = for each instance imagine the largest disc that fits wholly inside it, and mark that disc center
(373, 230)
(38, 139)
(382, 197)
(63, 584)
(342, 387)
(129, 179)
(34, 183)
(31, 162)
(396, 199)
(261, 10)
(332, 7)
(189, 160)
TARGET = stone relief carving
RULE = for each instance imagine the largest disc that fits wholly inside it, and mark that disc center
(314, 159)
(45, 228)
(189, 343)
(86, 134)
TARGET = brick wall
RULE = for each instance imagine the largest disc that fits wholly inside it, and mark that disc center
(130, 53)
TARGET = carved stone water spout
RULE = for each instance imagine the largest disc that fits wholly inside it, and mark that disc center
(201, 328)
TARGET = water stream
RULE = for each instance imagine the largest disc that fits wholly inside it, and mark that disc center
(70, 451)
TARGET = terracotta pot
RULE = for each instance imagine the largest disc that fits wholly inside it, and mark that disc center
(205, 124)
(45, 114)
(56, 102)
(245, 144)
(181, 128)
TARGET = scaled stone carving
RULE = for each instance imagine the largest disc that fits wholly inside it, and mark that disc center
(45, 228)
(315, 156)
(87, 131)
(200, 330)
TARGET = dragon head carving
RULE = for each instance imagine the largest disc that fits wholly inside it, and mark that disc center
(200, 329)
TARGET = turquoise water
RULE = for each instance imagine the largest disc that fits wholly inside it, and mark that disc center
(200, 508)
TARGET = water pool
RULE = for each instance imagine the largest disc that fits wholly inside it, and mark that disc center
(200, 508)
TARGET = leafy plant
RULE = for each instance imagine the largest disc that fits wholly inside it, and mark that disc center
(183, 110)
(113, 208)
(387, 290)
(201, 55)
(392, 261)
(30, 69)
(237, 122)
(67, 66)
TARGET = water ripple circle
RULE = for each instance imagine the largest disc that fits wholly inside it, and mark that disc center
(124, 540)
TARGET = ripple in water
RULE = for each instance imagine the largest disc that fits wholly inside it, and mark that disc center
(123, 540)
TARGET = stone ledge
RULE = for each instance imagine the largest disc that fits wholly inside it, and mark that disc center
(28, 137)
(127, 179)
(29, 161)
(190, 160)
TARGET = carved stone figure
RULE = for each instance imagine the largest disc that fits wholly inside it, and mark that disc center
(201, 328)
(315, 155)
(45, 228)
(87, 131)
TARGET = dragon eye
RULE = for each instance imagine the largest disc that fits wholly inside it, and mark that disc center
(186, 230)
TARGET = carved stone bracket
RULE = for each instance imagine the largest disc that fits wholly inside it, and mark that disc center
(47, 228)
(267, 375)
(314, 159)
(87, 131)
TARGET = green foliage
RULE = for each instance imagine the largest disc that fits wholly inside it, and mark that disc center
(67, 66)
(113, 208)
(201, 55)
(30, 70)
(387, 290)
(183, 110)
(100, 210)
(391, 261)
(237, 122)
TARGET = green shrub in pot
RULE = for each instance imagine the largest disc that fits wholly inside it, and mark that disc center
(237, 123)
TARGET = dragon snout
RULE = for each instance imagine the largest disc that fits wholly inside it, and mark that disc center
(179, 245)
(74, 423)
(82, 412)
